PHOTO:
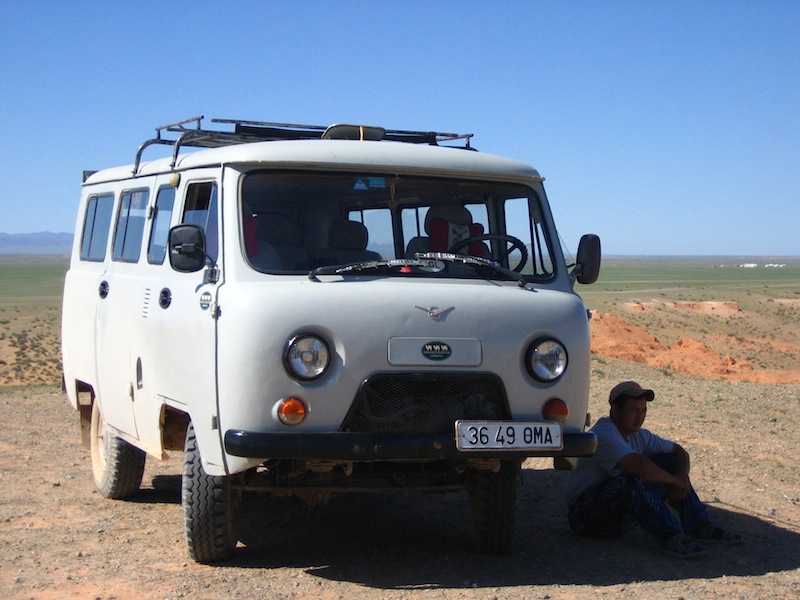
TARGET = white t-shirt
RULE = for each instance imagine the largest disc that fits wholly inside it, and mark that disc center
(593, 470)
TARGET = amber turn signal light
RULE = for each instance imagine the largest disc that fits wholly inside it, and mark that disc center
(291, 411)
(556, 410)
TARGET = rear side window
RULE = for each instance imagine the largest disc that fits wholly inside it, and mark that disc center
(96, 227)
(130, 226)
(201, 210)
(157, 246)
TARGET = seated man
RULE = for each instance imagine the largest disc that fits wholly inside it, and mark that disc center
(633, 477)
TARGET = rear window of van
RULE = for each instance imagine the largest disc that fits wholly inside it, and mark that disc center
(96, 227)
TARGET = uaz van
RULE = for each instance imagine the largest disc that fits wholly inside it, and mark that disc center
(306, 311)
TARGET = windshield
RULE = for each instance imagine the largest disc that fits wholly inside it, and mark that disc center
(298, 222)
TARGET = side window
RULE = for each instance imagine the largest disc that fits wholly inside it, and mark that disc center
(413, 220)
(130, 226)
(201, 210)
(479, 215)
(157, 246)
(524, 221)
(378, 222)
(96, 227)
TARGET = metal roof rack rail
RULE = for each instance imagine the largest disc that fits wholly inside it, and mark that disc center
(259, 131)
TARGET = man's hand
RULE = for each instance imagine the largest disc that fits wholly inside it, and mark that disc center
(680, 488)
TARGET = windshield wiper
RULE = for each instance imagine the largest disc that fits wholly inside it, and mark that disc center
(421, 260)
(363, 266)
(474, 261)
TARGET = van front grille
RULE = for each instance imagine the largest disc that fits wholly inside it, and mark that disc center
(425, 403)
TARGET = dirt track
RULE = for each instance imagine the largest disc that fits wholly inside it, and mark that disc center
(60, 539)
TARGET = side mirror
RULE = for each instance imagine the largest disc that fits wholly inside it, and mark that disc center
(587, 267)
(187, 248)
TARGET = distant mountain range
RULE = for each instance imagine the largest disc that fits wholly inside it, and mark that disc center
(45, 242)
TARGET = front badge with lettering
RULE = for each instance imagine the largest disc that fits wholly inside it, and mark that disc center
(436, 351)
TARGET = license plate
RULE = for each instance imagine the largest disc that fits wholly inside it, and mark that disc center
(508, 435)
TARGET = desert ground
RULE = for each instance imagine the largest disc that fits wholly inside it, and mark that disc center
(722, 351)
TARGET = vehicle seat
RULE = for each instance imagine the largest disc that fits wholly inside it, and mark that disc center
(251, 246)
(347, 243)
(260, 254)
(445, 225)
(277, 231)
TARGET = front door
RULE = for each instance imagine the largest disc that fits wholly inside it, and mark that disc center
(183, 322)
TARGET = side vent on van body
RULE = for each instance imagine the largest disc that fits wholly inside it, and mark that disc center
(146, 303)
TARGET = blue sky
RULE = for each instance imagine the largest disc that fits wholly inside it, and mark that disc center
(664, 127)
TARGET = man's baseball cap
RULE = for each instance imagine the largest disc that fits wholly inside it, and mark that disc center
(631, 389)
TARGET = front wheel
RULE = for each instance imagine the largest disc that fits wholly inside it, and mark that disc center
(207, 508)
(493, 507)
(117, 466)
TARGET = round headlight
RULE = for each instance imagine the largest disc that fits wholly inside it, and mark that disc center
(307, 357)
(546, 360)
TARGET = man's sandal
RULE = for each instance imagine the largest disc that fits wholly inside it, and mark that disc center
(716, 535)
(681, 546)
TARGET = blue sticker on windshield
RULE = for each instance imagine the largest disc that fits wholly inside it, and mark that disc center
(363, 184)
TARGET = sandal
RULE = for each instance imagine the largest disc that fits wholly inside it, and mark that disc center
(716, 535)
(681, 546)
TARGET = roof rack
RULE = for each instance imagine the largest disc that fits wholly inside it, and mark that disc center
(259, 131)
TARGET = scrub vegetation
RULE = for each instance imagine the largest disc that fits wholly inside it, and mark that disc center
(30, 318)
(709, 317)
(750, 315)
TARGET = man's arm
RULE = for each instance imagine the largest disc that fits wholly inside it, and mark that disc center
(644, 468)
(681, 472)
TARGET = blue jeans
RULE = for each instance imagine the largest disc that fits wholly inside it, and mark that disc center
(624, 501)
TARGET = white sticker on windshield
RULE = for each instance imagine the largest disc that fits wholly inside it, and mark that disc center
(432, 266)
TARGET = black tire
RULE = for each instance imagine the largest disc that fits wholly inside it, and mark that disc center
(117, 466)
(207, 508)
(493, 505)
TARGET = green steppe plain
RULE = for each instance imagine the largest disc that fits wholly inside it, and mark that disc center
(769, 299)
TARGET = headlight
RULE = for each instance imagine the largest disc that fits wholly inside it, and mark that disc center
(307, 357)
(546, 360)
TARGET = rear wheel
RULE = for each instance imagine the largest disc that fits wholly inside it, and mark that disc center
(493, 506)
(207, 508)
(117, 466)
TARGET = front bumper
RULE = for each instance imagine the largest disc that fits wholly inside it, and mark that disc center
(348, 446)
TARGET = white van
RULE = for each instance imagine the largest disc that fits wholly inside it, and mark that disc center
(306, 311)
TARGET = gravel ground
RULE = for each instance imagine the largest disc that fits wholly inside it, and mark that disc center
(60, 539)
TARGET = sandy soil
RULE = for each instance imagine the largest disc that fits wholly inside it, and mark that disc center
(739, 420)
(60, 539)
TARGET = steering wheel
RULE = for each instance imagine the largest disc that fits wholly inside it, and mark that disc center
(512, 244)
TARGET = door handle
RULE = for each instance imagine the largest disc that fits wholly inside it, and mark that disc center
(103, 290)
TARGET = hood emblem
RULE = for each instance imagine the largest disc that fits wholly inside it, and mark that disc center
(436, 313)
(436, 351)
